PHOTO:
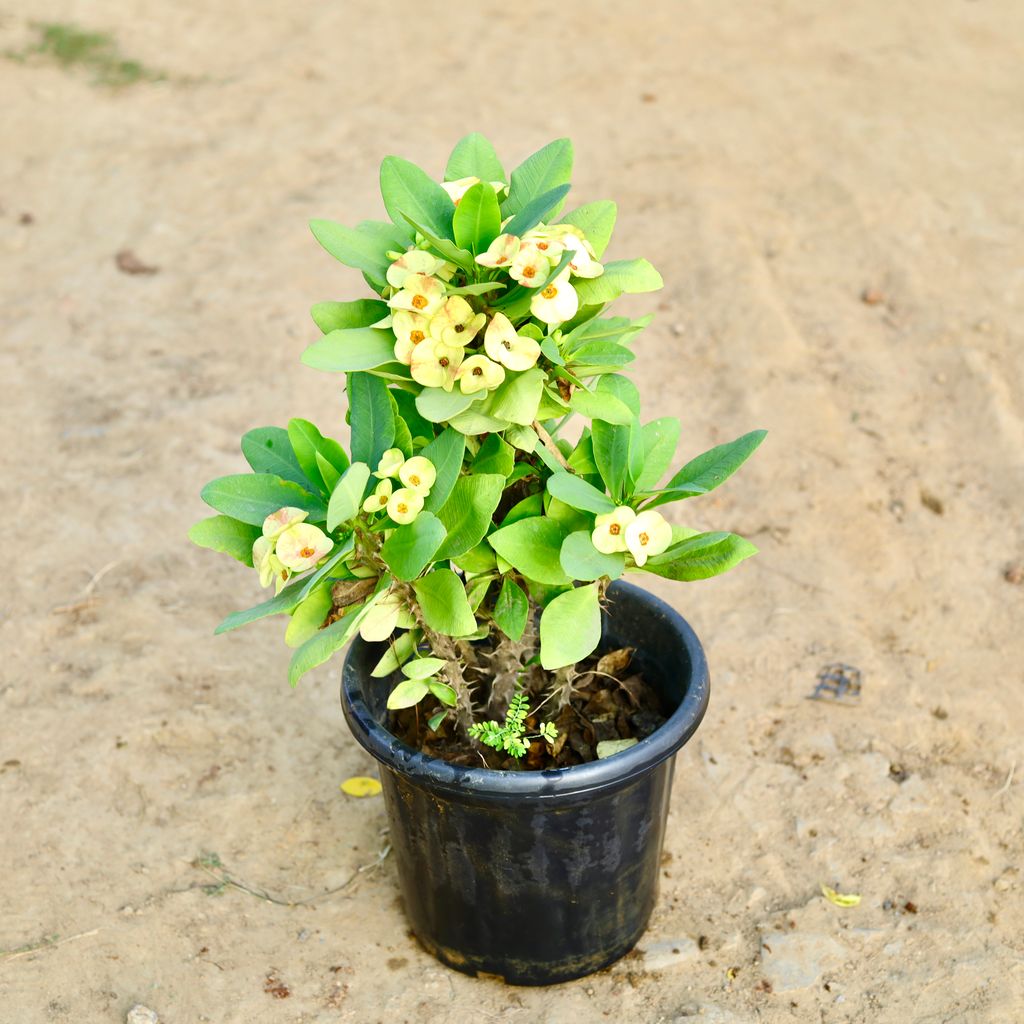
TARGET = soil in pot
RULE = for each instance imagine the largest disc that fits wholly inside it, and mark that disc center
(611, 701)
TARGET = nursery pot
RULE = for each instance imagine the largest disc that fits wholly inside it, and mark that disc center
(537, 876)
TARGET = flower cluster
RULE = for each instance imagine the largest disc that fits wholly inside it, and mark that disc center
(405, 503)
(434, 329)
(641, 534)
(287, 545)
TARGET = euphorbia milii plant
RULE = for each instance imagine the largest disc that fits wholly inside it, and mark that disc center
(498, 474)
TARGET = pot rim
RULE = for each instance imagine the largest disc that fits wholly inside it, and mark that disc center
(489, 783)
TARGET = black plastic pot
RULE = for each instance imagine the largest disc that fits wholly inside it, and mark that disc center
(537, 877)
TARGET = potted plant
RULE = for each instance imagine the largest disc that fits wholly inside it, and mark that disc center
(525, 704)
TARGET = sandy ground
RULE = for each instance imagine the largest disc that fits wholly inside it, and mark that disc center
(774, 160)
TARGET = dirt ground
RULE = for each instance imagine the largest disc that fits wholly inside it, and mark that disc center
(833, 194)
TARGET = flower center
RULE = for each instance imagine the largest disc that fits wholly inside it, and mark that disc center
(501, 259)
(507, 344)
(459, 328)
(414, 480)
(419, 301)
(529, 271)
(416, 336)
(543, 246)
(307, 552)
(443, 362)
(644, 539)
(615, 529)
(478, 371)
(383, 499)
(402, 508)
(550, 292)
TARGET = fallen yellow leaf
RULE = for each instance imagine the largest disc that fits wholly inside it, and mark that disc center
(360, 785)
(840, 899)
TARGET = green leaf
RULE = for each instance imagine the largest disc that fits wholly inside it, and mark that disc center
(495, 456)
(418, 426)
(328, 471)
(611, 453)
(439, 406)
(448, 249)
(408, 191)
(546, 169)
(660, 439)
(606, 408)
(532, 546)
(511, 609)
(517, 397)
(308, 617)
(620, 277)
(578, 493)
(347, 497)
(477, 220)
(281, 604)
(443, 692)
(599, 357)
(372, 418)
(446, 452)
(582, 561)
(479, 288)
(442, 599)
(707, 471)
(363, 247)
(569, 518)
(318, 648)
(570, 627)
(466, 514)
(617, 329)
(531, 505)
(407, 693)
(476, 560)
(251, 497)
(523, 438)
(330, 567)
(435, 720)
(581, 461)
(472, 422)
(268, 450)
(408, 550)
(222, 533)
(474, 157)
(701, 557)
(536, 210)
(622, 388)
(422, 668)
(340, 316)
(360, 348)
(596, 221)
(398, 651)
(307, 442)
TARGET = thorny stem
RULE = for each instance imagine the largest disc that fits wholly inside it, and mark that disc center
(562, 687)
(550, 444)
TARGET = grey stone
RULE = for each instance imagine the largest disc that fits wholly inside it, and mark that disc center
(794, 960)
(666, 953)
(140, 1014)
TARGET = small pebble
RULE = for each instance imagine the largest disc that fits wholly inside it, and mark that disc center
(872, 297)
(140, 1014)
(1014, 573)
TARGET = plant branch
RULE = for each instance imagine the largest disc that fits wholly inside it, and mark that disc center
(550, 444)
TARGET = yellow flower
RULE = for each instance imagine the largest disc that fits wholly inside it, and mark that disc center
(557, 302)
(419, 294)
(503, 345)
(301, 546)
(455, 323)
(405, 505)
(478, 373)
(418, 474)
(500, 252)
(410, 329)
(390, 463)
(276, 523)
(582, 263)
(458, 188)
(546, 242)
(610, 529)
(416, 261)
(648, 534)
(530, 267)
(377, 501)
(434, 364)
